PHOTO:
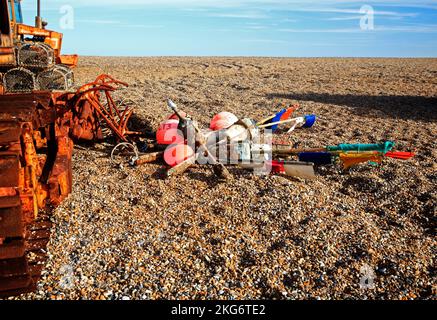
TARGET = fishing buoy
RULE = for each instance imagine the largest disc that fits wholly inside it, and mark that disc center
(168, 133)
(309, 121)
(236, 133)
(174, 116)
(177, 154)
(223, 120)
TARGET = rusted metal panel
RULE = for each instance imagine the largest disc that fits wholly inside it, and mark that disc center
(14, 283)
(21, 99)
(11, 222)
(6, 50)
(32, 107)
(35, 271)
(7, 59)
(69, 60)
(9, 133)
(41, 225)
(39, 234)
(12, 249)
(33, 245)
(9, 170)
(12, 109)
(13, 267)
(8, 202)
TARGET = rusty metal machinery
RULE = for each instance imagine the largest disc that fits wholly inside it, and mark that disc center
(35, 143)
(40, 117)
(35, 170)
(93, 108)
(37, 131)
(30, 56)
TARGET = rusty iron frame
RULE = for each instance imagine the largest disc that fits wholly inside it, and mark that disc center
(91, 95)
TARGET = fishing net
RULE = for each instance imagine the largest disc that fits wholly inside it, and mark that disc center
(19, 80)
(35, 55)
(60, 77)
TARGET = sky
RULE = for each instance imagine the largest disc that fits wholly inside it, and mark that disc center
(278, 28)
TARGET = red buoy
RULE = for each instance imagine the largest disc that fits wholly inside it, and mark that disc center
(168, 133)
(174, 116)
(223, 120)
(178, 153)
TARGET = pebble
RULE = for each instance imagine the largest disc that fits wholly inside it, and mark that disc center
(257, 237)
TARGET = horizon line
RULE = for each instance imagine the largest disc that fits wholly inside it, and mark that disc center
(257, 56)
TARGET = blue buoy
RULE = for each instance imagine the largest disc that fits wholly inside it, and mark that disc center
(309, 121)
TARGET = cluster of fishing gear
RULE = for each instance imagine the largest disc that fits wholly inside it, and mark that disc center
(248, 144)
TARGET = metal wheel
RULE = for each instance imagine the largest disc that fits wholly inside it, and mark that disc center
(123, 153)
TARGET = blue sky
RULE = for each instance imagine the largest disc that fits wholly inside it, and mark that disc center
(290, 28)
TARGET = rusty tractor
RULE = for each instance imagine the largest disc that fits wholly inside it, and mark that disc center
(40, 118)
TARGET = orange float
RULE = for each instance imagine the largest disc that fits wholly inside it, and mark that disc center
(177, 154)
(168, 133)
(223, 120)
(175, 117)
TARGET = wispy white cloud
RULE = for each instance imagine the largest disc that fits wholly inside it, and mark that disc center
(357, 11)
(253, 2)
(247, 15)
(327, 30)
(119, 23)
(232, 22)
(344, 18)
(194, 4)
(145, 26)
(195, 9)
(265, 41)
(256, 27)
(407, 28)
(289, 20)
(237, 8)
(98, 21)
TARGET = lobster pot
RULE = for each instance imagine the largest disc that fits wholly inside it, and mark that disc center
(59, 77)
(19, 80)
(35, 55)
